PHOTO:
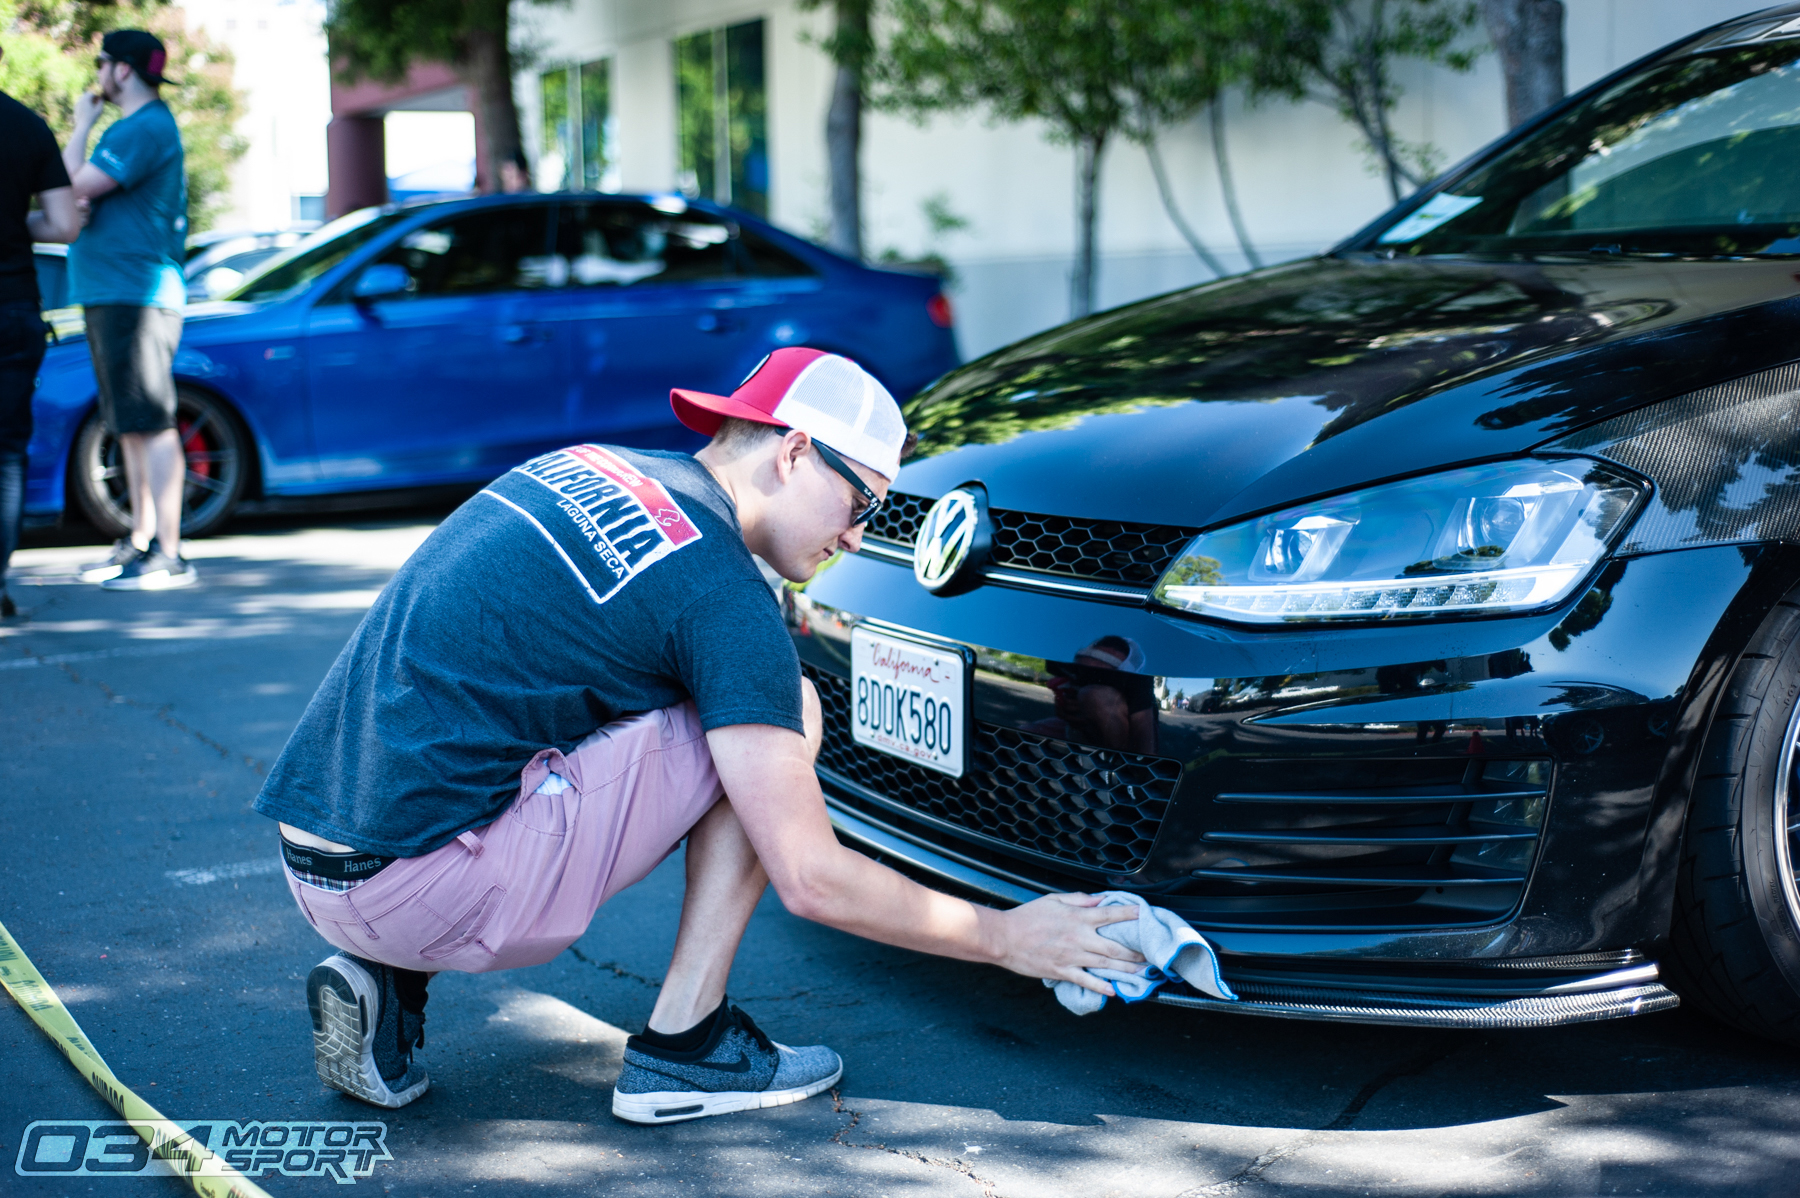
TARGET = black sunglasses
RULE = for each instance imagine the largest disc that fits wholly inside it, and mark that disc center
(842, 467)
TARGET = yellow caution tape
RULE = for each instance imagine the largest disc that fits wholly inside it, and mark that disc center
(210, 1176)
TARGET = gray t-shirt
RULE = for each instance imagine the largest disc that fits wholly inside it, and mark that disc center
(586, 585)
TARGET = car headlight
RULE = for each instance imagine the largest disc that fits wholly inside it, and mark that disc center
(1480, 540)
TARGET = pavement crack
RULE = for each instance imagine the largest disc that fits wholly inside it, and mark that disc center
(955, 1166)
(160, 712)
(614, 968)
(1342, 1121)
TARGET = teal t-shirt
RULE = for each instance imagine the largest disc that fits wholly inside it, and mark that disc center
(135, 241)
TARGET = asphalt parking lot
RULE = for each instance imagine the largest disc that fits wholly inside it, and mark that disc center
(138, 727)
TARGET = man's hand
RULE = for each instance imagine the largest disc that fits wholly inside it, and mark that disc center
(1058, 937)
(88, 107)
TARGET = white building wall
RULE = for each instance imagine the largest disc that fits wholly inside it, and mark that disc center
(1302, 183)
(282, 70)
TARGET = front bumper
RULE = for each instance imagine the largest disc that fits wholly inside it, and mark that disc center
(1307, 802)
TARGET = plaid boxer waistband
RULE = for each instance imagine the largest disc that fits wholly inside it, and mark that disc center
(338, 867)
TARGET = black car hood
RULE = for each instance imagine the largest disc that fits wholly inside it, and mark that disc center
(1251, 393)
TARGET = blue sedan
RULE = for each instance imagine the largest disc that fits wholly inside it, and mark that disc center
(442, 344)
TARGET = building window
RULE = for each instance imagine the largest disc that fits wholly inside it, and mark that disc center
(722, 116)
(576, 134)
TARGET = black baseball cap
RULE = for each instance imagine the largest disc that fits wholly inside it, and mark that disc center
(142, 49)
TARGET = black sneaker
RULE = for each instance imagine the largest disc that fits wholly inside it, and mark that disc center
(154, 570)
(737, 1068)
(122, 555)
(362, 1037)
(8, 609)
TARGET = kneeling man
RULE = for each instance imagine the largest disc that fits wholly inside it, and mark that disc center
(580, 668)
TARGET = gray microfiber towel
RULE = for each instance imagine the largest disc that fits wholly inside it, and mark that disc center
(1170, 949)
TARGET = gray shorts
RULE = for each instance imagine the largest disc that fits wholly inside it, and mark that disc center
(134, 358)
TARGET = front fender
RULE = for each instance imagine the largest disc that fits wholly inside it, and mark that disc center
(65, 394)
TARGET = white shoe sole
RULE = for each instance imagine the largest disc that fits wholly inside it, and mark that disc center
(674, 1106)
(162, 580)
(101, 573)
(342, 1000)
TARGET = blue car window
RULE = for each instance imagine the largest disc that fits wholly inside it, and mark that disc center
(296, 268)
(632, 245)
(766, 260)
(495, 249)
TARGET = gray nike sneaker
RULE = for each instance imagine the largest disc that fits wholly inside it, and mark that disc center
(362, 1037)
(737, 1069)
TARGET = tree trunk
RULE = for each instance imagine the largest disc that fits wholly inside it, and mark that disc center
(1175, 218)
(1087, 203)
(486, 67)
(1529, 37)
(843, 127)
(1228, 188)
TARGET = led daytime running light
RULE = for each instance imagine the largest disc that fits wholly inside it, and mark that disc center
(1493, 590)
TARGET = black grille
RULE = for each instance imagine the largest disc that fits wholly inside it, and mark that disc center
(1436, 826)
(899, 519)
(1097, 808)
(1099, 550)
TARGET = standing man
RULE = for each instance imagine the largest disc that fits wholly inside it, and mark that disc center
(126, 272)
(32, 166)
(577, 670)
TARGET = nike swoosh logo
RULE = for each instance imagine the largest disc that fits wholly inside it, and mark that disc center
(742, 1065)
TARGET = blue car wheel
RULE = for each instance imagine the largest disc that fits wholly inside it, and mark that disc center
(217, 449)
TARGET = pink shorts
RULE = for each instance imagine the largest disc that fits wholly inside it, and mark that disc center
(525, 887)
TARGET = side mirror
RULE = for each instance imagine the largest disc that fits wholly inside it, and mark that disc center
(384, 280)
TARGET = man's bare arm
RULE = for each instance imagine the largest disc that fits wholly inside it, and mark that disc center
(86, 179)
(56, 218)
(768, 776)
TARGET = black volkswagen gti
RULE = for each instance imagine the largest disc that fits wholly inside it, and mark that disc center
(1421, 622)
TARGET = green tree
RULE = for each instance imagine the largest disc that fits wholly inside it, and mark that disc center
(1083, 67)
(1344, 52)
(382, 39)
(1184, 57)
(50, 48)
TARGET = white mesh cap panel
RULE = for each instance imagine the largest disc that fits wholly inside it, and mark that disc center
(842, 405)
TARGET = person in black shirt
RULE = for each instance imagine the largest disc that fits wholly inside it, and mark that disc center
(32, 166)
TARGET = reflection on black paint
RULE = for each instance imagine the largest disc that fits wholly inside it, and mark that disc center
(1102, 698)
(1588, 613)
(1357, 338)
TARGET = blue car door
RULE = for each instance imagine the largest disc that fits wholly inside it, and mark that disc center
(653, 299)
(453, 379)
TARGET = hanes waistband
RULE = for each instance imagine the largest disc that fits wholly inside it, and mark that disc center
(339, 867)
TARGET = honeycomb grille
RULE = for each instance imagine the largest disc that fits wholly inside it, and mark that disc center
(1098, 808)
(899, 519)
(1097, 550)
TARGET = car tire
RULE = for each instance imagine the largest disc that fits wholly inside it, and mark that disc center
(218, 451)
(1735, 941)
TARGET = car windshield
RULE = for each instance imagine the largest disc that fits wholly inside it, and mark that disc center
(293, 270)
(1697, 155)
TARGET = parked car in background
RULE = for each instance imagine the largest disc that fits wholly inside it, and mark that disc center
(1421, 621)
(218, 263)
(445, 343)
(52, 262)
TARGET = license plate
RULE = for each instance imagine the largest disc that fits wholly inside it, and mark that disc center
(910, 699)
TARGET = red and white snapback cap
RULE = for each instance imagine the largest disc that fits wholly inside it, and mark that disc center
(826, 396)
